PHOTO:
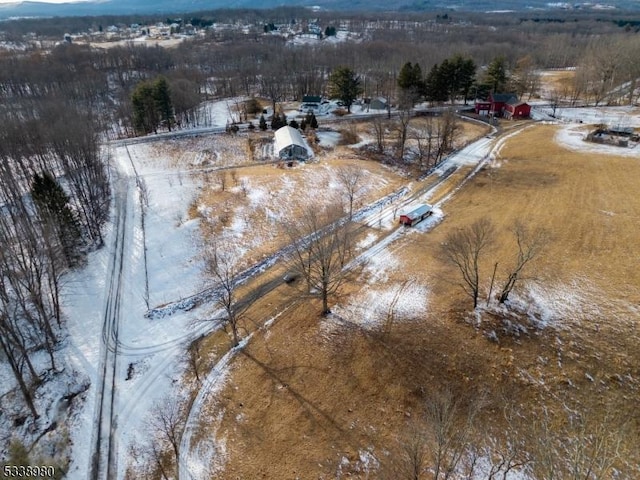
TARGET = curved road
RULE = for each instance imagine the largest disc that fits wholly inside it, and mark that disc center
(104, 456)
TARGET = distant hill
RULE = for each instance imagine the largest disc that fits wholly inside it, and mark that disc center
(123, 7)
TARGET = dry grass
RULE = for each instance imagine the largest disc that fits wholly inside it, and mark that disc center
(310, 392)
(272, 196)
(554, 81)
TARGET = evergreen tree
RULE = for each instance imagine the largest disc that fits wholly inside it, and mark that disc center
(436, 88)
(465, 75)
(145, 116)
(263, 123)
(496, 76)
(276, 122)
(162, 101)
(411, 84)
(303, 124)
(311, 120)
(344, 84)
(52, 204)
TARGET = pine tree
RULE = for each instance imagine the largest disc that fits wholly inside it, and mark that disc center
(312, 121)
(145, 116)
(436, 89)
(276, 122)
(496, 76)
(344, 84)
(52, 204)
(162, 101)
(465, 76)
(263, 123)
(410, 83)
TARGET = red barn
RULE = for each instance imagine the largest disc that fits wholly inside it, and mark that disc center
(497, 105)
(516, 109)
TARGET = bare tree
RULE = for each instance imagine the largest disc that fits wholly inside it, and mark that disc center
(587, 447)
(321, 244)
(413, 455)
(167, 426)
(530, 243)
(223, 266)
(404, 116)
(194, 357)
(447, 129)
(425, 138)
(351, 178)
(380, 131)
(220, 177)
(450, 429)
(464, 247)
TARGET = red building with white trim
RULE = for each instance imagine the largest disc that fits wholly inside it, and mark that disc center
(503, 105)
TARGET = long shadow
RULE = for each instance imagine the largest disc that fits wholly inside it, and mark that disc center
(312, 409)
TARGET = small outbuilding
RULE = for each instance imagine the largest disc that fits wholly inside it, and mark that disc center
(516, 109)
(311, 103)
(289, 144)
(416, 215)
(379, 103)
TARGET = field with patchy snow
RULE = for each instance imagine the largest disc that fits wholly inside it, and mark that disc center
(337, 396)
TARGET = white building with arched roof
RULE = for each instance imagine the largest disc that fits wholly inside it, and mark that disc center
(289, 145)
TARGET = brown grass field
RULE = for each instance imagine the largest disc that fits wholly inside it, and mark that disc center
(314, 398)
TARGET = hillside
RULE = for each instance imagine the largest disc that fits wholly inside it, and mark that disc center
(122, 7)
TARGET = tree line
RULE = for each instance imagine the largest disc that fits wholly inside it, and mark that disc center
(54, 200)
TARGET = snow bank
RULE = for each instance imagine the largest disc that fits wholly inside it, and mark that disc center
(572, 137)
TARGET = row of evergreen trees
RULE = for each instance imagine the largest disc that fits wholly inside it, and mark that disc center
(451, 80)
(279, 120)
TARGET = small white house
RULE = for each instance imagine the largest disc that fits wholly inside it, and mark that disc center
(289, 144)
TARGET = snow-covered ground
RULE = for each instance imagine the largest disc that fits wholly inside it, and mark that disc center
(611, 116)
(166, 258)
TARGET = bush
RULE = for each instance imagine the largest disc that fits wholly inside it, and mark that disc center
(349, 136)
(252, 106)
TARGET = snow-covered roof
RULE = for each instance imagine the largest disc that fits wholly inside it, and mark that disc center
(419, 211)
(287, 136)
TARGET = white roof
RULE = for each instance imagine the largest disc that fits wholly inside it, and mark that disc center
(286, 136)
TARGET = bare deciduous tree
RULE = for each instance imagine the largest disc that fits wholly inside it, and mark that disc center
(404, 116)
(450, 431)
(447, 129)
(351, 178)
(380, 131)
(194, 357)
(167, 426)
(321, 245)
(464, 248)
(529, 243)
(223, 266)
(414, 455)
(220, 177)
(586, 447)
